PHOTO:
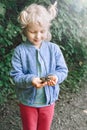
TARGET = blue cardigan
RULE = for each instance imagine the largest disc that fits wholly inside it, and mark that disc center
(24, 69)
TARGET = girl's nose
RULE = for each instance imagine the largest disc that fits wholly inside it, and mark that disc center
(38, 35)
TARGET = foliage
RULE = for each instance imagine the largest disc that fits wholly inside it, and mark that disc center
(70, 33)
(69, 30)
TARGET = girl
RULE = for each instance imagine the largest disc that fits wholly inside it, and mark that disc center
(34, 59)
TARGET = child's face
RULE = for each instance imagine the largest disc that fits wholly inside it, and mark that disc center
(36, 34)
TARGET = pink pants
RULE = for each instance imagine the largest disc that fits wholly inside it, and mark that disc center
(36, 118)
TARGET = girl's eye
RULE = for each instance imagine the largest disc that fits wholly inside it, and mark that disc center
(43, 31)
(31, 32)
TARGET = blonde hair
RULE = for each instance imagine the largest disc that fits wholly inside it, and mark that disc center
(38, 14)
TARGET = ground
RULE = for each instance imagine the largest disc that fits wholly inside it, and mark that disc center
(70, 112)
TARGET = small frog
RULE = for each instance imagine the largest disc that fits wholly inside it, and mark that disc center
(44, 79)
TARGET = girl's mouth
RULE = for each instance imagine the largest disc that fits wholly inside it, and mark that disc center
(37, 40)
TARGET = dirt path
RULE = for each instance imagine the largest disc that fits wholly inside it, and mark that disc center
(70, 113)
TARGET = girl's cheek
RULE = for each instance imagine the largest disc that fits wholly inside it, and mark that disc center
(45, 36)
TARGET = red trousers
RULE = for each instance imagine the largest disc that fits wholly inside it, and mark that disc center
(36, 118)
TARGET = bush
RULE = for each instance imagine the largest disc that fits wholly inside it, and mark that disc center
(69, 31)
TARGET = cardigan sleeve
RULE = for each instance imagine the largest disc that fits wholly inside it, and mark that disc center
(19, 77)
(61, 69)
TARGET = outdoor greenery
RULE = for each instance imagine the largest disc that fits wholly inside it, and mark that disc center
(69, 31)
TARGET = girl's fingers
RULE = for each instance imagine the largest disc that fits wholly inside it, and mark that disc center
(51, 83)
(53, 78)
(40, 85)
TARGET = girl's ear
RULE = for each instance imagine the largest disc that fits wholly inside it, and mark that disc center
(49, 36)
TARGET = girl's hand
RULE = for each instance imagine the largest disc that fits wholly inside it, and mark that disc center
(37, 82)
(53, 79)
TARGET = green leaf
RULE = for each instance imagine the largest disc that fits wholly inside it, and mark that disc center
(1, 83)
(2, 9)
